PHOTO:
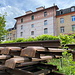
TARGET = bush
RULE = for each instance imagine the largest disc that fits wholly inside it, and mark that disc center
(46, 37)
(68, 65)
(11, 41)
(39, 38)
(29, 39)
(66, 39)
(20, 40)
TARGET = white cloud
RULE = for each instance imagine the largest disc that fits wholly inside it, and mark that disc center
(62, 4)
(12, 12)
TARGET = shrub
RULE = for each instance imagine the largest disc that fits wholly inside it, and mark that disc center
(29, 39)
(20, 40)
(46, 37)
(68, 65)
(38, 38)
(11, 41)
(66, 39)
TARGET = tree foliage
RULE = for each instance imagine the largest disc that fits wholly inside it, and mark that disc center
(2, 27)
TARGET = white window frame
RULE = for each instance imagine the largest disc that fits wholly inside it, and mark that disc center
(21, 33)
(72, 9)
(45, 22)
(73, 18)
(62, 29)
(45, 30)
(32, 26)
(61, 20)
(21, 27)
(32, 32)
(73, 27)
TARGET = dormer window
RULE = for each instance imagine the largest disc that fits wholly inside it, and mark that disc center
(72, 9)
(61, 12)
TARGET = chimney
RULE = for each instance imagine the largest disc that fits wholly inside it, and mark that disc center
(40, 8)
(28, 12)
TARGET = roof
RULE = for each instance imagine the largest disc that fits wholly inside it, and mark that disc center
(37, 11)
(65, 11)
(10, 29)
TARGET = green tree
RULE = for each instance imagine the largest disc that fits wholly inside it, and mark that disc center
(3, 31)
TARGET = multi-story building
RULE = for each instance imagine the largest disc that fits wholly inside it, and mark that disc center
(66, 20)
(11, 33)
(42, 21)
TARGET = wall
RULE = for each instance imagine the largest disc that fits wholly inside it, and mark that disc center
(38, 23)
(11, 37)
(67, 23)
(38, 28)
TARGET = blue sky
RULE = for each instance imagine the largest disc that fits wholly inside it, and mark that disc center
(15, 8)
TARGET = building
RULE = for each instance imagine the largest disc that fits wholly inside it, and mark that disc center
(42, 21)
(11, 33)
(66, 20)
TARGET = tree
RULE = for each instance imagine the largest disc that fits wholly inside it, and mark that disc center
(3, 31)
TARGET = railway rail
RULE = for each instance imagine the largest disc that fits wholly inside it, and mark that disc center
(29, 60)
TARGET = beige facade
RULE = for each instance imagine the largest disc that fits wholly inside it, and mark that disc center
(11, 35)
(37, 23)
(66, 23)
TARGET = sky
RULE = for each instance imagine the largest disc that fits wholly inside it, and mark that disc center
(16, 8)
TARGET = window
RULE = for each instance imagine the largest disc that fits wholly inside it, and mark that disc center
(72, 9)
(32, 26)
(32, 17)
(21, 20)
(45, 14)
(21, 33)
(14, 35)
(7, 38)
(61, 12)
(61, 29)
(32, 32)
(10, 38)
(45, 30)
(21, 27)
(73, 27)
(61, 20)
(73, 18)
(10, 34)
(45, 22)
